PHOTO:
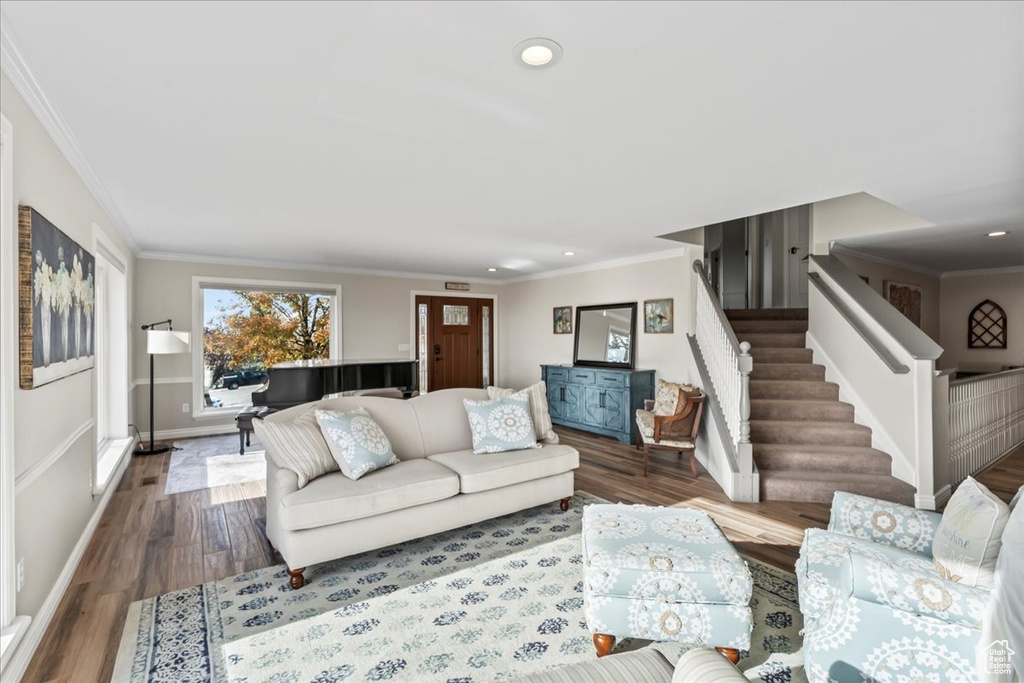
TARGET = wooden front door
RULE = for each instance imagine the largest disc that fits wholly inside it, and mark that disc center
(459, 348)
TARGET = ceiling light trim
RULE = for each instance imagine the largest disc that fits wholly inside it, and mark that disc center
(24, 80)
(519, 53)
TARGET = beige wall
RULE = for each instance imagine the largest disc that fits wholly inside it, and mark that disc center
(376, 318)
(856, 215)
(53, 511)
(958, 296)
(878, 273)
(526, 316)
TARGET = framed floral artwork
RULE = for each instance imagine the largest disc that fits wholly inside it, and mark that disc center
(658, 317)
(56, 302)
(563, 320)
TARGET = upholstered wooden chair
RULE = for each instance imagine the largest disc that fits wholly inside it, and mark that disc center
(672, 432)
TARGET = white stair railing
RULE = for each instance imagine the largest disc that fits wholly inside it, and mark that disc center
(986, 421)
(728, 363)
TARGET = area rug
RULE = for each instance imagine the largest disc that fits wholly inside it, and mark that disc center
(486, 602)
(213, 461)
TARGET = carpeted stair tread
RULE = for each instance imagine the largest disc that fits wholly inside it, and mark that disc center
(774, 340)
(815, 458)
(820, 487)
(793, 371)
(795, 389)
(820, 433)
(790, 355)
(800, 410)
(766, 314)
(741, 327)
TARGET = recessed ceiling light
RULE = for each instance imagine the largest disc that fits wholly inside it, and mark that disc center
(538, 53)
(492, 270)
(570, 253)
(997, 233)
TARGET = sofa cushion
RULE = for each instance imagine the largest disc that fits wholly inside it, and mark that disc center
(492, 471)
(538, 397)
(970, 534)
(297, 445)
(336, 498)
(501, 425)
(821, 562)
(357, 442)
(646, 665)
(441, 420)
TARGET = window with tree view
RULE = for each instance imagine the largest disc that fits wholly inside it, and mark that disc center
(247, 331)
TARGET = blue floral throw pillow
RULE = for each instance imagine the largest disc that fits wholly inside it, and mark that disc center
(356, 441)
(501, 425)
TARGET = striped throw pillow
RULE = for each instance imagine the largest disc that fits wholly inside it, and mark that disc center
(538, 396)
(298, 446)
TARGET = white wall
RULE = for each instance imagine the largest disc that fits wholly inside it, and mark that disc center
(53, 510)
(525, 316)
(376, 318)
(877, 273)
(856, 215)
(958, 296)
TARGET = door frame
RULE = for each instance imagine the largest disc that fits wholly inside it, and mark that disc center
(495, 341)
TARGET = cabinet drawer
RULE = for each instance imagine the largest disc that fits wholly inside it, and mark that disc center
(581, 376)
(557, 374)
(610, 379)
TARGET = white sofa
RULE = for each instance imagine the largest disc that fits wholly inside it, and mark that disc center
(438, 483)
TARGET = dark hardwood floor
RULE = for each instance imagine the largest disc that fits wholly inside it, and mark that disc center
(150, 543)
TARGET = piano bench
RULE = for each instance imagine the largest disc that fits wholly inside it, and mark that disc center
(244, 421)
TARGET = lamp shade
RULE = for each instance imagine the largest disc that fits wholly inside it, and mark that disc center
(160, 342)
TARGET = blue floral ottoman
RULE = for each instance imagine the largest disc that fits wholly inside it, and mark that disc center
(663, 574)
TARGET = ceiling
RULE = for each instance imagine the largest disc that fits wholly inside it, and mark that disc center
(941, 250)
(405, 137)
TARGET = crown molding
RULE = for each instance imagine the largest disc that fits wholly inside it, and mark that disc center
(314, 267)
(601, 265)
(15, 66)
(843, 250)
(983, 271)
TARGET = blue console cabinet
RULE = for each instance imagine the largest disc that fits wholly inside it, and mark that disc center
(598, 400)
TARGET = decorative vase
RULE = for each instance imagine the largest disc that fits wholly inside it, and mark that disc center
(88, 335)
(64, 332)
(76, 329)
(45, 318)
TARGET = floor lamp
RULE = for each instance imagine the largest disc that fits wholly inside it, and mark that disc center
(160, 342)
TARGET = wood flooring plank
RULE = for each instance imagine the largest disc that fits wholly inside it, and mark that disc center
(187, 518)
(244, 542)
(218, 565)
(215, 530)
(163, 519)
(186, 566)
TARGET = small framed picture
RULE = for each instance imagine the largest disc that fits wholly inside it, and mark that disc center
(658, 317)
(563, 320)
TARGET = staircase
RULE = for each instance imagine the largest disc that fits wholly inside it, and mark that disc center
(806, 444)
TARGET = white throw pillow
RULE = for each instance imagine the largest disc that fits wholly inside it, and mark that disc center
(298, 446)
(538, 396)
(969, 535)
(1004, 614)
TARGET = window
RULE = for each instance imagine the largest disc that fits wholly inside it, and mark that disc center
(245, 327)
(110, 317)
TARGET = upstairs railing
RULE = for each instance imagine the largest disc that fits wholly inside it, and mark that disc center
(986, 421)
(728, 363)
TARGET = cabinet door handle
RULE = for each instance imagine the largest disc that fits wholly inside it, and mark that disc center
(563, 394)
(600, 402)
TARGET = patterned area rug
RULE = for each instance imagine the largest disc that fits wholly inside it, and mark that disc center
(485, 602)
(214, 461)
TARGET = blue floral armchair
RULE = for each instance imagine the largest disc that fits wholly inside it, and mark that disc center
(874, 606)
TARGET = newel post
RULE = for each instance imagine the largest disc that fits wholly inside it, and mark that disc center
(746, 366)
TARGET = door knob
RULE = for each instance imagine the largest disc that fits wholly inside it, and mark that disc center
(793, 250)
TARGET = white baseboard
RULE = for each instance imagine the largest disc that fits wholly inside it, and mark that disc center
(22, 655)
(211, 430)
(933, 502)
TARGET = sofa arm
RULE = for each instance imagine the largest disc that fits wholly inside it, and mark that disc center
(880, 521)
(914, 591)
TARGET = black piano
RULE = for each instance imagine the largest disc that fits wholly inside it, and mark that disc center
(296, 382)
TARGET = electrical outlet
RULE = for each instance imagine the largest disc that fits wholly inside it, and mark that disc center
(184, 407)
(20, 581)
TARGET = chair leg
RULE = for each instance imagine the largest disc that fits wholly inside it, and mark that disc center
(693, 464)
(647, 458)
(732, 654)
(564, 504)
(604, 643)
